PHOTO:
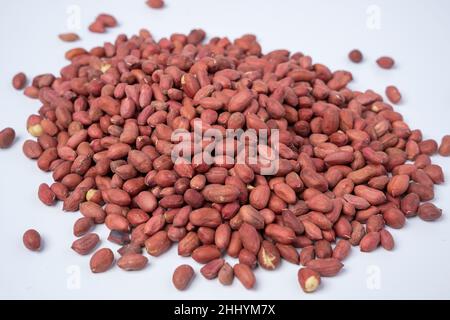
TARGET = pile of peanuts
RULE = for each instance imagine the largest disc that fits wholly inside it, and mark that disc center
(349, 168)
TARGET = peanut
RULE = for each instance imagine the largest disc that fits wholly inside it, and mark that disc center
(32, 240)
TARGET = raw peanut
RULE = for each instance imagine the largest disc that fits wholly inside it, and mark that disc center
(421, 177)
(82, 226)
(320, 220)
(157, 244)
(364, 174)
(220, 193)
(247, 257)
(31, 92)
(155, 4)
(312, 231)
(306, 254)
(252, 216)
(205, 217)
(343, 228)
(250, 238)
(7, 137)
(320, 203)
(275, 108)
(393, 94)
(226, 274)
(73, 201)
(68, 37)
(292, 222)
(425, 192)
(146, 201)
(259, 197)
(385, 62)
(19, 81)
(429, 212)
(244, 172)
(118, 196)
(422, 160)
(326, 267)
(188, 244)
(370, 242)
(222, 236)
(205, 254)
(119, 237)
(93, 210)
(240, 101)
(394, 218)
(373, 196)
(175, 234)
(46, 195)
(444, 148)
(94, 196)
(73, 53)
(398, 185)
(294, 181)
(280, 234)
(140, 160)
(206, 235)
(32, 149)
(323, 249)
(101, 260)
(117, 223)
(245, 275)
(97, 27)
(131, 248)
(212, 268)
(342, 249)
(268, 256)
(194, 198)
(340, 157)
(428, 147)
(85, 244)
(313, 180)
(235, 245)
(288, 253)
(435, 173)
(154, 224)
(132, 262)
(355, 56)
(308, 279)
(386, 240)
(107, 20)
(182, 217)
(32, 240)
(330, 123)
(190, 85)
(375, 223)
(412, 149)
(409, 204)
(182, 276)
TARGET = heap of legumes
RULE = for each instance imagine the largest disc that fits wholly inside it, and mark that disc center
(224, 151)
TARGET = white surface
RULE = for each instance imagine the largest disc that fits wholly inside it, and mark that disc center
(414, 32)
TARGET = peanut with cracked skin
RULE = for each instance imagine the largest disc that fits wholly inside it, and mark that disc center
(308, 279)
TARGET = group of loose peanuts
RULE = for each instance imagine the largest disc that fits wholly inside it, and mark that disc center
(349, 165)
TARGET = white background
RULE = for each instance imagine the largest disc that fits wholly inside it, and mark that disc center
(416, 33)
